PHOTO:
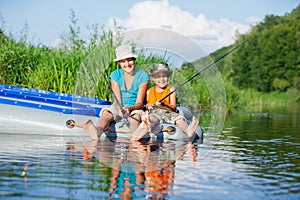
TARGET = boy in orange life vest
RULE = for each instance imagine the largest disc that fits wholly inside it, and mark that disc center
(165, 111)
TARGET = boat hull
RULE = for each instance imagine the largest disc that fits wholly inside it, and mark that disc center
(24, 120)
(38, 112)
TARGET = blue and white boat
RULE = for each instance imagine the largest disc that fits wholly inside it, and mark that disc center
(40, 112)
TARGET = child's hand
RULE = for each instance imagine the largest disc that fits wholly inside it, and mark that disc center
(153, 106)
(126, 112)
(158, 103)
(145, 117)
(150, 106)
(119, 110)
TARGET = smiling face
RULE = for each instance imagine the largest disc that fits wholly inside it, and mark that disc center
(160, 79)
(127, 65)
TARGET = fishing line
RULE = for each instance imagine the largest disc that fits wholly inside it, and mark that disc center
(203, 70)
(115, 97)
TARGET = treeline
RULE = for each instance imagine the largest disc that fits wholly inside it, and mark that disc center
(266, 68)
(271, 59)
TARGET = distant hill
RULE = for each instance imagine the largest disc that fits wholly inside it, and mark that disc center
(270, 60)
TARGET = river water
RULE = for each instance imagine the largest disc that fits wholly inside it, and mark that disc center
(256, 156)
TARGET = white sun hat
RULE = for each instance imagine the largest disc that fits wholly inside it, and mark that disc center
(124, 51)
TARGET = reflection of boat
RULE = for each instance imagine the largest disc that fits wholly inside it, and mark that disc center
(32, 111)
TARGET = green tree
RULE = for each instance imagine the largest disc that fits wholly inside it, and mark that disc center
(272, 53)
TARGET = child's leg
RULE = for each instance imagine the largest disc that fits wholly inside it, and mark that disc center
(147, 124)
(188, 129)
(142, 129)
(154, 121)
(89, 127)
(134, 121)
(106, 118)
(95, 132)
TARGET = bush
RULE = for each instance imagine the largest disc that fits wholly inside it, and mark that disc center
(281, 84)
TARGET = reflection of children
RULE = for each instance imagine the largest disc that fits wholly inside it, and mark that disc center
(138, 169)
(162, 111)
(124, 184)
(159, 182)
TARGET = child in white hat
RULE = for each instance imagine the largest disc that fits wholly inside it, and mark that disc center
(129, 86)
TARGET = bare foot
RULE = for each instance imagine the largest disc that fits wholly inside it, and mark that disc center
(192, 127)
(89, 127)
(138, 133)
(143, 128)
(145, 118)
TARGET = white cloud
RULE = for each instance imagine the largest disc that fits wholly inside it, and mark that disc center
(211, 34)
(253, 20)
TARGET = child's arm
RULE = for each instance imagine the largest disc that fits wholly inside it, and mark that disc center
(148, 105)
(162, 105)
(172, 104)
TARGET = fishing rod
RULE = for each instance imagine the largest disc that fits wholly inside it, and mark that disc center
(115, 97)
(204, 69)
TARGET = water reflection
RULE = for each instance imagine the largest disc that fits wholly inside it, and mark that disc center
(138, 168)
(267, 150)
(255, 157)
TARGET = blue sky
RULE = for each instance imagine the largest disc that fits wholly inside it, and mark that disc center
(211, 23)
